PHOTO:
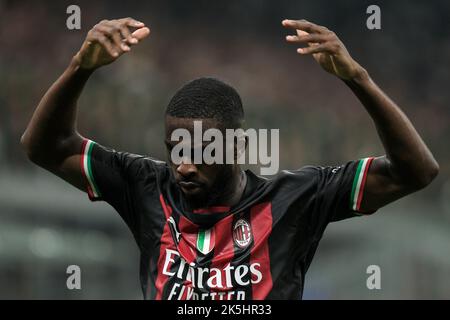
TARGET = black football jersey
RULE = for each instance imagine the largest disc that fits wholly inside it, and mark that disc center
(258, 249)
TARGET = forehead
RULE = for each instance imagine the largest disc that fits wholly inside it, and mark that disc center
(173, 123)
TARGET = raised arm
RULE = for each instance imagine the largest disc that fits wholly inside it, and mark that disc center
(408, 165)
(51, 139)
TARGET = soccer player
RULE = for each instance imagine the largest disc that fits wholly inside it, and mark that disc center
(215, 231)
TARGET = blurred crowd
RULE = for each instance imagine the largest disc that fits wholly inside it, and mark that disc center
(242, 43)
(46, 225)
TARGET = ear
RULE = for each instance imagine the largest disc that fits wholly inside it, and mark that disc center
(240, 146)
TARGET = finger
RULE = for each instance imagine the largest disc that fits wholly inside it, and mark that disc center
(111, 30)
(105, 29)
(309, 38)
(141, 33)
(116, 36)
(106, 43)
(117, 39)
(302, 33)
(132, 22)
(304, 25)
(126, 35)
(323, 47)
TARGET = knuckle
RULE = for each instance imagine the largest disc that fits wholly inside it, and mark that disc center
(96, 36)
(101, 28)
(101, 37)
(330, 36)
(105, 30)
(335, 45)
(304, 38)
(101, 23)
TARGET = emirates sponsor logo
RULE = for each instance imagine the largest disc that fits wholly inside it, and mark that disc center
(242, 233)
(224, 283)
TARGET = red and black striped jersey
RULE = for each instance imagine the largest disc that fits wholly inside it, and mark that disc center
(260, 248)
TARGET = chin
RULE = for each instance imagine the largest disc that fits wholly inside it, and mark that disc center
(195, 194)
(197, 199)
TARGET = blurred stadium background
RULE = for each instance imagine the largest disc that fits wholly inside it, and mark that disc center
(46, 225)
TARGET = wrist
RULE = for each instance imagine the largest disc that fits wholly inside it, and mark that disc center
(360, 76)
(77, 68)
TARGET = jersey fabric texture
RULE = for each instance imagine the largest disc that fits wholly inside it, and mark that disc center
(259, 249)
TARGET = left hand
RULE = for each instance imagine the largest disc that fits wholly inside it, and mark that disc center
(325, 47)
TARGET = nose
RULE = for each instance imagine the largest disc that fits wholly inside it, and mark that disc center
(187, 170)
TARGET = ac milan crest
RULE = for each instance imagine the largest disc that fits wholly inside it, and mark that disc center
(242, 233)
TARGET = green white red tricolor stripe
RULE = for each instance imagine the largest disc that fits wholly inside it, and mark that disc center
(204, 243)
(86, 167)
(359, 182)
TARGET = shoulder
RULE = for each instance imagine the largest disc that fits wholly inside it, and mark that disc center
(142, 164)
(288, 181)
(304, 173)
(126, 163)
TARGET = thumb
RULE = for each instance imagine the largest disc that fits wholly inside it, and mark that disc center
(141, 33)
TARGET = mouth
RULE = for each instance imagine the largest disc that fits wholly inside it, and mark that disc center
(189, 186)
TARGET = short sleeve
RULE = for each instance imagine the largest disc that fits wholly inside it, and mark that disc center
(338, 194)
(109, 177)
(340, 189)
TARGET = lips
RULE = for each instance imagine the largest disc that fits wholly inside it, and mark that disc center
(188, 185)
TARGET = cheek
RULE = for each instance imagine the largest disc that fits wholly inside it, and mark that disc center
(208, 173)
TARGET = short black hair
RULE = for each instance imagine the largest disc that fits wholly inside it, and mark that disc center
(208, 98)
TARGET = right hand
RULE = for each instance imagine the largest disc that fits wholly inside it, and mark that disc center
(108, 40)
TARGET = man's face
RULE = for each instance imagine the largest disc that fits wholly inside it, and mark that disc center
(202, 184)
